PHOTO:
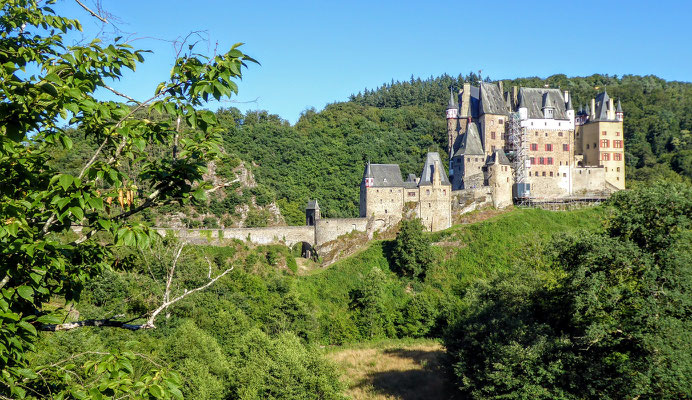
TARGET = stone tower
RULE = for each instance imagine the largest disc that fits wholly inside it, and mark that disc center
(312, 212)
(602, 141)
(452, 122)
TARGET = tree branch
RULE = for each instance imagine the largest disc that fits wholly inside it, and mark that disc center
(93, 13)
(120, 94)
(149, 324)
(4, 281)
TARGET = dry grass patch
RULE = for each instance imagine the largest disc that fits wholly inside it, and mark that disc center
(394, 371)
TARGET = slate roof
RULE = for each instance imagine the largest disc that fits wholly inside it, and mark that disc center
(498, 156)
(385, 175)
(312, 205)
(452, 104)
(474, 100)
(411, 181)
(491, 100)
(569, 103)
(535, 99)
(602, 104)
(433, 160)
(470, 142)
(619, 109)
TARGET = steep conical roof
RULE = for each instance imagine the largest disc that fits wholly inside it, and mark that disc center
(546, 101)
(368, 172)
(569, 102)
(452, 105)
(619, 109)
(499, 157)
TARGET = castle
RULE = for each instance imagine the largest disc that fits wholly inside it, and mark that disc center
(555, 152)
(527, 144)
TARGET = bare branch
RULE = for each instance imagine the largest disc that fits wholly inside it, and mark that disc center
(223, 185)
(121, 94)
(4, 281)
(93, 13)
(149, 324)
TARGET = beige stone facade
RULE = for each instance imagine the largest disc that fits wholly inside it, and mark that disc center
(386, 197)
(560, 148)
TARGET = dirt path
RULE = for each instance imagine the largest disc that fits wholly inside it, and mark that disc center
(391, 371)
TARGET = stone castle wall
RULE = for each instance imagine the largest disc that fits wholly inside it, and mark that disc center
(329, 229)
(288, 235)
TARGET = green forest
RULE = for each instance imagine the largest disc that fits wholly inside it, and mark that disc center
(593, 303)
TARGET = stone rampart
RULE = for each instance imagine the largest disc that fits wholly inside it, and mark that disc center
(288, 235)
(331, 228)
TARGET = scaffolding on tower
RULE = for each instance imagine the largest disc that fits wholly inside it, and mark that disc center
(519, 153)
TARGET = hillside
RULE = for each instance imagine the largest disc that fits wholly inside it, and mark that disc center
(323, 154)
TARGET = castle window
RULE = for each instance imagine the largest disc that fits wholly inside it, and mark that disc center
(385, 211)
(444, 191)
(543, 173)
(500, 121)
(604, 133)
(390, 190)
(551, 173)
(617, 178)
(541, 160)
(564, 174)
(550, 161)
(618, 170)
(546, 134)
(559, 134)
(606, 169)
(427, 191)
(534, 146)
(565, 147)
(429, 205)
(587, 145)
(617, 144)
(548, 147)
(492, 135)
(617, 133)
(508, 179)
(617, 156)
(595, 145)
(605, 143)
(411, 194)
(605, 157)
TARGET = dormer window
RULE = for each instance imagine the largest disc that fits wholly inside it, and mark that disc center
(549, 113)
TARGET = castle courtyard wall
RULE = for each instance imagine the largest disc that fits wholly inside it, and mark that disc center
(329, 229)
(288, 235)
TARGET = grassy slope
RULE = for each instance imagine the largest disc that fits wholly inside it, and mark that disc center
(464, 253)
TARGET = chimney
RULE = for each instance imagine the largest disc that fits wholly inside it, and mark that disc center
(611, 109)
(466, 100)
(566, 96)
(593, 109)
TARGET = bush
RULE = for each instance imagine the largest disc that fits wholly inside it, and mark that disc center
(281, 368)
(412, 254)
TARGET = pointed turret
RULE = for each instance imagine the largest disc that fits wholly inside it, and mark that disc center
(548, 108)
(619, 114)
(569, 103)
(452, 103)
(367, 176)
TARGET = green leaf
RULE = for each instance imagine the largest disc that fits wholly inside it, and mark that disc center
(27, 327)
(27, 373)
(77, 212)
(26, 292)
(48, 319)
(65, 181)
(156, 391)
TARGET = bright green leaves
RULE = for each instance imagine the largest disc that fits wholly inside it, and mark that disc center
(26, 292)
(136, 236)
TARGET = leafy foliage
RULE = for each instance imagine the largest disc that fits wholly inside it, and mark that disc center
(44, 81)
(613, 325)
(412, 254)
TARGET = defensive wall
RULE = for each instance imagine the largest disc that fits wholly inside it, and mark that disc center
(288, 235)
(324, 230)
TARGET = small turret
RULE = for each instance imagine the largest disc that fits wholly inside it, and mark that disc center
(568, 106)
(368, 179)
(312, 212)
(619, 114)
(452, 109)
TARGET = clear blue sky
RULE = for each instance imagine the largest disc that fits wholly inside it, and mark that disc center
(313, 53)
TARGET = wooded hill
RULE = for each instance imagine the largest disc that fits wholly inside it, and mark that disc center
(322, 156)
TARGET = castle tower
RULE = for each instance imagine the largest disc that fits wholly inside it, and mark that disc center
(602, 140)
(568, 106)
(312, 212)
(452, 122)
